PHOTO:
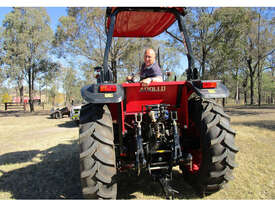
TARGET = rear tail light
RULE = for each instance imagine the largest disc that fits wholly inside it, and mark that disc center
(209, 85)
(205, 84)
(107, 88)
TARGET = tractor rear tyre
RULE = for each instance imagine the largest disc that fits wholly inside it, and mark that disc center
(97, 152)
(215, 157)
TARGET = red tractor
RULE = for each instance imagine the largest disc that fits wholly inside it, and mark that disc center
(157, 127)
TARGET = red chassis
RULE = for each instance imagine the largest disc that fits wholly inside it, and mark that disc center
(175, 94)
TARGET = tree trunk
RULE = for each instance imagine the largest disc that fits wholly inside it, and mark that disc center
(114, 70)
(272, 92)
(259, 67)
(33, 91)
(223, 99)
(237, 97)
(259, 87)
(244, 85)
(251, 75)
(53, 101)
(46, 94)
(251, 89)
(30, 90)
(21, 92)
(245, 97)
(203, 63)
(40, 93)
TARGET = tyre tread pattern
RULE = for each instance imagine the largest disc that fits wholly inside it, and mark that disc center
(218, 140)
(97, 155)
(217, 178)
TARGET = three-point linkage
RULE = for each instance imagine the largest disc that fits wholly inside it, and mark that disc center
(140, 152)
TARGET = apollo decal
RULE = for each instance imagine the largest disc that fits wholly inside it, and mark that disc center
(153, 89)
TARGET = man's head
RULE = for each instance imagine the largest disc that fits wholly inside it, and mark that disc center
(149, 57)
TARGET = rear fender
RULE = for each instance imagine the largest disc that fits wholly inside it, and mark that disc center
(91, 94)
(220, 91)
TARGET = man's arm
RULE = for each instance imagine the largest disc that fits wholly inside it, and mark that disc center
(147, 81)
(157, 79)
(133, 77)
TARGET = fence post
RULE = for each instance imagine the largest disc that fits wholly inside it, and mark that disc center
(6, 106)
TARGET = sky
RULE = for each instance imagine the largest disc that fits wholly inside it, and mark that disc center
(57, 8)
(103, 3)
(54, 12)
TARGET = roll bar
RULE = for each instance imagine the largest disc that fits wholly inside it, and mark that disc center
(179, 16)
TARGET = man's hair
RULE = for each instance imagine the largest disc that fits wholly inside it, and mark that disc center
(151, 50)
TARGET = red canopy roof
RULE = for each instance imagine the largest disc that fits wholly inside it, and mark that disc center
(142, 23)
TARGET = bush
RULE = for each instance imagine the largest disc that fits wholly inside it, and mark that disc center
(6, 98)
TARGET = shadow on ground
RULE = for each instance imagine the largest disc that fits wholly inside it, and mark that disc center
(55, 177)
(244, 110)
(263, 124)
(68, 124)
(18, 157)
(241, 112)
(129, 183)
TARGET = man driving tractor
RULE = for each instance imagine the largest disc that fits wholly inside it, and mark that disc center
(150, 70)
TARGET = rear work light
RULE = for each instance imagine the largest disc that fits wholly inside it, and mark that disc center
(208, 85)
(107, 88)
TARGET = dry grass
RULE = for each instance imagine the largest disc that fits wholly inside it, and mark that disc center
(39, 160)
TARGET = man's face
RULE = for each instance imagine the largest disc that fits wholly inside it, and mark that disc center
(149, 57)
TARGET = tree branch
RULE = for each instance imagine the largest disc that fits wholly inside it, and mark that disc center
(267, 54)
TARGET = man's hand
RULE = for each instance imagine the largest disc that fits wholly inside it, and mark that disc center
(146, 82)
(129, 78)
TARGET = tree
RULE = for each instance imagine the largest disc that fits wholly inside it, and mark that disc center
(266, 44)
(6, 97)
(258, 50)
(27, 41)
(12, 54)
(82, 34)
(69, 83)
(212, 31)
(1, 76)
(268, 86)
(1, 59)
